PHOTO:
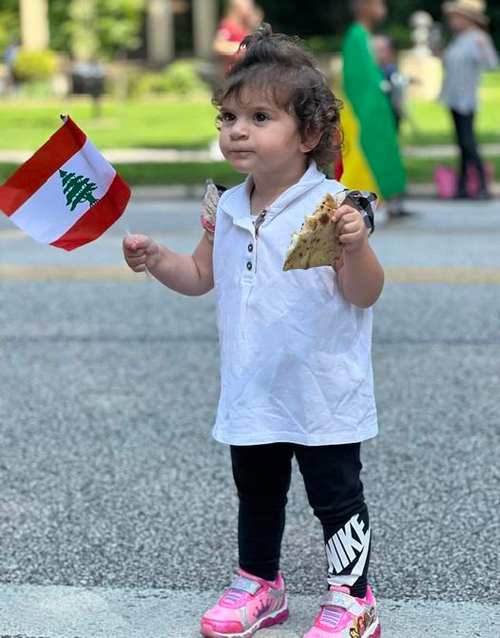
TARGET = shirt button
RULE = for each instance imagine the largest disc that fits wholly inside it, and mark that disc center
(250, 248)
(249, 265)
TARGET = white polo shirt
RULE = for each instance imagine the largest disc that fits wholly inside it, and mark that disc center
(295, 355)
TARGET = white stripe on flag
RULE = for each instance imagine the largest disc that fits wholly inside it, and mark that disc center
(45, 215)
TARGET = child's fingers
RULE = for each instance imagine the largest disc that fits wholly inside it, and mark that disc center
(136, 259)
(343, 210)
(352, 238)
(348, 222)
(347, 218)
(136, 242)
(137, 265)
(129, 244)
(350, 227)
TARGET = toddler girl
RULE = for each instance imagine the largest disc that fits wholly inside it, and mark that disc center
(296, 374)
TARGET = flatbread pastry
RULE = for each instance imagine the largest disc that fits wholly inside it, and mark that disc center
(316, 244)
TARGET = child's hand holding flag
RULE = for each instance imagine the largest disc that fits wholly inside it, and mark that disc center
(141, 252)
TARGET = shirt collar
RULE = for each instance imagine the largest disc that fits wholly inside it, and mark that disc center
(236, 203)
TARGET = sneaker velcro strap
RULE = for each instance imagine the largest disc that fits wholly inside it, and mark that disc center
(338, 599)
(246, 584)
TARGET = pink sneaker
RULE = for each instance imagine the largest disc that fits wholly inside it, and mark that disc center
(250, 603)
(343, 616)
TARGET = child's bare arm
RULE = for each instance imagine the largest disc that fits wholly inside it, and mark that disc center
(360, 275)
(187, 274)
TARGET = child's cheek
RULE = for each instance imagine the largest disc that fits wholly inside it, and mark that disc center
(223, 142)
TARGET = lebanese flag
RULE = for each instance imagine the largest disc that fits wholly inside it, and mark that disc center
(66, 194)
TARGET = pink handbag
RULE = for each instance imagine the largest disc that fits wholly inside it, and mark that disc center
(445, 179)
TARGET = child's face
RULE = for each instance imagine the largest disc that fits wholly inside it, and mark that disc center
(383, 51)
(259, 137)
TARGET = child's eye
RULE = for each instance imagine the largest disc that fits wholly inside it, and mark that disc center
(227, 117)
(260, 117)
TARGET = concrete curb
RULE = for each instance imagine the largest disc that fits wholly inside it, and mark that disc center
(67, 612)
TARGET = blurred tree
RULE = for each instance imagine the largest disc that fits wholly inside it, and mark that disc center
(304, 18)
(89, 29)
(9, 23)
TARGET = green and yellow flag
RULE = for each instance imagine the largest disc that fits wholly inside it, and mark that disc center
(371, 153)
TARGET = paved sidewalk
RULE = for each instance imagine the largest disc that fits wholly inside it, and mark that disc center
(66, 612)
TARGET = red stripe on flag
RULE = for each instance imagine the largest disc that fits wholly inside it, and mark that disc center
(29, 177)
(339, 167)
(98, 219)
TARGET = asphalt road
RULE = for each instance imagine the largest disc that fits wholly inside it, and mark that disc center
(109, 475)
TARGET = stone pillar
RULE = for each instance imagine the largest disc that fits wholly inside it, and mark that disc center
(34, 25)
(204, 27)
(421, 24)
(160, 31)
(418, 63)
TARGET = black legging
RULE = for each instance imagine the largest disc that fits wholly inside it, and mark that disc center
(262, 475)
(464, 128)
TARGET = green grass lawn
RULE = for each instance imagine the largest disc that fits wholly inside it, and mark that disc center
(189, 122)
(27, 124)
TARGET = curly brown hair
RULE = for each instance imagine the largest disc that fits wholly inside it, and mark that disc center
(281, 65)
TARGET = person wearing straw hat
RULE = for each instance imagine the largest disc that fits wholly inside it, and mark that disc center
(469, 53)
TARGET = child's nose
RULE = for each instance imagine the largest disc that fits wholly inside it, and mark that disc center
(239, 131)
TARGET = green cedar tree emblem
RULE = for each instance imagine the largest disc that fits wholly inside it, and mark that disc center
(77, 189)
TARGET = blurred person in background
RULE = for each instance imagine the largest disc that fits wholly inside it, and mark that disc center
(469, 53)
(9, 58)
(242, 18)
(371, 157)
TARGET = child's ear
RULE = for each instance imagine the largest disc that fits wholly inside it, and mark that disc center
(310, 140)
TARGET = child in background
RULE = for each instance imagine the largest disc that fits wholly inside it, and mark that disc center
(395, 84)
(296, 373)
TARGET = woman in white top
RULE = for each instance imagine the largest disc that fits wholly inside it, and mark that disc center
(296, 374)
(469, 53)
